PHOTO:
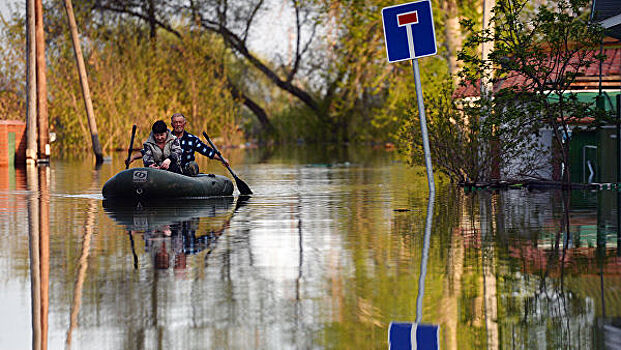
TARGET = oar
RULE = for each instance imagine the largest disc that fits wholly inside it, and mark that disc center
(131, 146)
(241, 185)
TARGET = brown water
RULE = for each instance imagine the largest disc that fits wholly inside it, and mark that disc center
(328, 252)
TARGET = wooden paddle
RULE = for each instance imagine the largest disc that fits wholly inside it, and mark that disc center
(131, 145)
(241, 185)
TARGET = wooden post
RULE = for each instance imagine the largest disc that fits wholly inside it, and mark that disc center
(86, 93)
(31, 84)
(42, 116)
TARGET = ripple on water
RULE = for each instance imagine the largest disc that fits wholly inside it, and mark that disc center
(317, 255)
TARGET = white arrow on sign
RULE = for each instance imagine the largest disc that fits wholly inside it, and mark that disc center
(406, 20)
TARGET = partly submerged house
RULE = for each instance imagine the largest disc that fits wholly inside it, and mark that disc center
(595, 151)
(592, 149)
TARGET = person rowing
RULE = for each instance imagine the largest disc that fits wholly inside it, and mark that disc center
(190, 144)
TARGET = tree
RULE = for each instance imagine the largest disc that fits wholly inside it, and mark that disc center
(333, 84)
(537, 55)
(233, 21)
(453, 37)
(337, 73)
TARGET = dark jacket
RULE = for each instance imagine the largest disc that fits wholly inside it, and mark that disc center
(190, 144)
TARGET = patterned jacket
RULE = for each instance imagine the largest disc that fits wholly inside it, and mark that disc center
(191, 144)
(153, 154)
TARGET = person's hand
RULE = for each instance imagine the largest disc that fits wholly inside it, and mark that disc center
(154, 166)
(224, 160)
(165, 164)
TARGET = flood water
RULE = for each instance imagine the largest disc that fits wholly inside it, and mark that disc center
(334, 245)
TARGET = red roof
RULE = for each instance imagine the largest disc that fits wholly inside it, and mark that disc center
(611, 77)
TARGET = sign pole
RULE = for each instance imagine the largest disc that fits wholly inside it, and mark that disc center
(423, 126)
(409, 34)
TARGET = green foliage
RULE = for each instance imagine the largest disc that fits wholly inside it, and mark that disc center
(537, 55)
(12, 66)
(457, 135)
(133, 80)
(364, 94)
(140, 82)
(137, 78)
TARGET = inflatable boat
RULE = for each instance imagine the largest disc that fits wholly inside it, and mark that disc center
(149, 183)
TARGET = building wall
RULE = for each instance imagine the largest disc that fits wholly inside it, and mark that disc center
(17, 154)
(537, 161)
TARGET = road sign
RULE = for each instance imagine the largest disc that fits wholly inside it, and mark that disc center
(409, 35)
(409, 31)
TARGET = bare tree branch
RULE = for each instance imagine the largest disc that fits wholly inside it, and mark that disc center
(250, 20)
(146, 18)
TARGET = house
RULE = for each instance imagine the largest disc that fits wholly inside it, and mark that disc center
(592, 150)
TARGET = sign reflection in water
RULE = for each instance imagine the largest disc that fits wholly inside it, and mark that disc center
(404, 336)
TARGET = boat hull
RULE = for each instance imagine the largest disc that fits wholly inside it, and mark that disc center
(149, 183)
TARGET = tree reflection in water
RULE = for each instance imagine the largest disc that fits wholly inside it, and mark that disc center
(544, 297)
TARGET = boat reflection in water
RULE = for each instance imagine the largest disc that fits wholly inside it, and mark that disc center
(171, 229)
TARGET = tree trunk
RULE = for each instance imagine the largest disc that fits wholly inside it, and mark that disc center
(486, 48)
(487, 86)
(453, 36)
(152, 20)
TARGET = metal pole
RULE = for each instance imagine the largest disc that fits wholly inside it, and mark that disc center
(423, 126)
(86, 92)
(31, 84)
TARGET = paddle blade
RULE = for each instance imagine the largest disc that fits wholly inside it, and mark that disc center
(242, 187)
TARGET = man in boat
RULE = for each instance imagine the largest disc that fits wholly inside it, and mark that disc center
(162, 149)
(190, 144)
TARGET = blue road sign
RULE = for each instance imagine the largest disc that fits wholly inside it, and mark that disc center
(409, 31)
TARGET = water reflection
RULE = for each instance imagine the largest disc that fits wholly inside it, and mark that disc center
(137, 215)
(546, 272)
(39, 244)
(170, 229)
(82, 263)
(404, 335)
(319, 258)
